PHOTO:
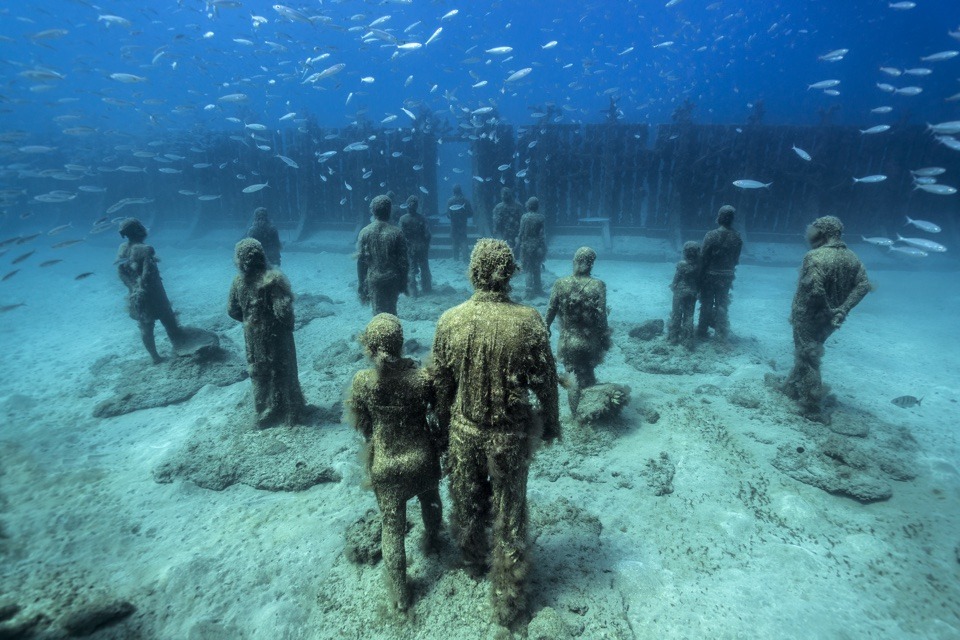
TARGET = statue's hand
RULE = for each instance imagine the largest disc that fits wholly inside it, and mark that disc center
(838, 317)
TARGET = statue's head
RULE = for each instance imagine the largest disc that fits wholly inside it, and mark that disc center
(133, 229)
(260, 216)
(380, 207)
(823, 230)
(491, 265)
(533, 204)
(458, 191)
(725, 216)
(506, 194)
(413, 204)
(383, 336)
(249, 256)
(691, 251)
(583, 261)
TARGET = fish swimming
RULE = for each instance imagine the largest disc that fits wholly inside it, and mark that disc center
(870, 179)
(906, 402)
(84, 275)
(880, 242)
(803, 154)
(23, 257)
(11, 307)
(923, 244)
(751, 184)
(256, 187)
(880, 128)
(923, 225)
(937, 189)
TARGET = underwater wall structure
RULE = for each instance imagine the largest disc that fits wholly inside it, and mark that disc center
(667, 181)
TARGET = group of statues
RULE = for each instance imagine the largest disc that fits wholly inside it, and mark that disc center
(490, 394)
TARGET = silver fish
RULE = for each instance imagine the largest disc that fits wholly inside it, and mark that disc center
(880, 242)
(905, 402)
(937, 189)
(256, 187)
(924, 225)
(751, 184)
(288, 161)
(870, 179)
(880, 128)
(824, 84)
(923, 244)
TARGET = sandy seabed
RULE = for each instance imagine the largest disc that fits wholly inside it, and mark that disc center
(732, 547)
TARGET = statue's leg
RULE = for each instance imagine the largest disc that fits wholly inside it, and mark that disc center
(509, 463)
(470, 492)
(431, 510)
(394, 513)
(149, 340)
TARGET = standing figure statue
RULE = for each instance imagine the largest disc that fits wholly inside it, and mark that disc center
(719, 256)
(389, 405)
(382, 262)
(262, 300)
(580, 301)
(147, 301)
(263, 231)
(532, 246)
(832, 282)
(459, 210)
(506, 217)
(417, 235)
(685, 287)
(489, 354)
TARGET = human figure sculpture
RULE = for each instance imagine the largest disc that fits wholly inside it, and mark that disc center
(147, 301)
(832, 282)
(489, 354)
(263, 231)
(719, 256)
(506, 217)
(417, 235)
(262, 300)
(580, 301)
(382, 262)
(459, 210)
(532, 246)
(685, 287)
(389, 406)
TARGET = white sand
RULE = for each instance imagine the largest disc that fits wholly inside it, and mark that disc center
(738, 550)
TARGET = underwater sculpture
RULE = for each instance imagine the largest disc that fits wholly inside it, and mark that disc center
(262, 300)
(147, 301)
(719, 256)
(532, 247)
(264, 232)
(388, 405)
(417, 235)
(832, 282)
(382, 262)
(685, 287)
(459, 210)
(489, 353)
(580, 300)
(506, 217)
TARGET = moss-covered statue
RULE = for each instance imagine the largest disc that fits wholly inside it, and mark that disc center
(685, 287)
(832, 282)
(506, 217)
(389, 405)
(266, 234)
(719, 256)
(459, 210)
(147, 300)
(489, 354)
(417, 235)
(580, 301)
(382, 263)
(532, 247)
(262, 300)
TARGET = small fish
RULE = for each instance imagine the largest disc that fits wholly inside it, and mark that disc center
(880, 242)
(920, 243)
(834, 56)
(924, 225)
(207, 198)
(945, 128)
(824, 84)
(549, 45)
(888, 88)
(941, 56)
(9, 275)
(902, 6)
(127, 78)
(751, 184)
(882, 110)
(23, 257)
(84, 275)
(803, 154)
(880, 128)
(517, 75)
(913, 252)
(929, 172)
(905, 402)
(289, 116)
(59, 229)
(288, 161)
(891, 71)
(255, 126)
(256, 187)
(499, 51)
(11, 307)
(924, 180)
(870, 179)
(449, 14)
(909, 91)
(456, 207)
(66, 243)
(919, 71)
(114, 20)
(50, 263)
(409, 46)
(435, 35)
(937, 189)
(424, 190)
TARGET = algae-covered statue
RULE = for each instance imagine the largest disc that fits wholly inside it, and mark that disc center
(389, 405)
(262, 300)
(459, 210)
(532, 247)
(719, 256)
(382, 262)
(489, 354)
(832, 282)
(147, 301)
(580, 300)
(685, 287)
(266, 234)
(417, 235)
(506, 217)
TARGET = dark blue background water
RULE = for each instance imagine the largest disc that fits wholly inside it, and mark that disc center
(726, 56)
